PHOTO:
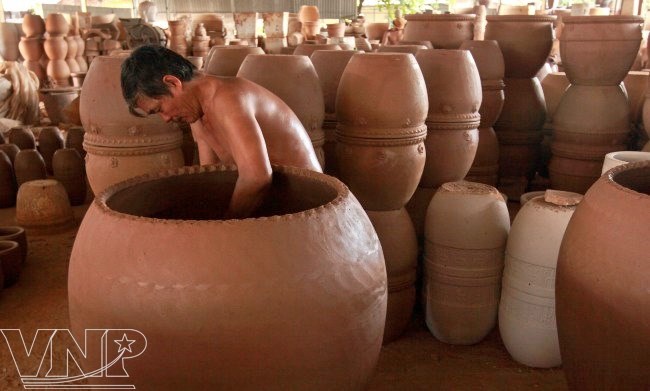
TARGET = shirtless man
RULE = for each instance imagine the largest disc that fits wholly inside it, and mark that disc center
(234, 121)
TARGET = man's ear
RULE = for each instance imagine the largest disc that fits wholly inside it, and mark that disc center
(172, 82)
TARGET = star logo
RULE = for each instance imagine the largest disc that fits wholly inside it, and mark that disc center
(125, 344)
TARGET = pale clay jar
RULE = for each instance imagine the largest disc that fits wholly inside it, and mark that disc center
(618, 158)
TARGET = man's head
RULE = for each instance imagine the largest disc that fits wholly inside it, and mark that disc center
(152, 73)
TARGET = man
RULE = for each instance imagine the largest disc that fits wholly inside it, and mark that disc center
(234, 121)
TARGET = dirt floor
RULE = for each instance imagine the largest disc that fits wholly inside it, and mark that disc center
(416, 361)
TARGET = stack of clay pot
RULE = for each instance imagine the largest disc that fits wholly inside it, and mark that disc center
(310, 19)
(601, 285)
(120, 145)
(278, 73)
(466, 231)
(226, 60)
(329, 65)
(592, 119)
(276, 25)
(525, 42)
(554, 85)
(177, 39)
(489, 61)
(81, 49)
(454, 88)
(381, 155)
(246, 26)
(527, 308)
(200, 42)
(443, 31)
(31, 45)
(56, 48)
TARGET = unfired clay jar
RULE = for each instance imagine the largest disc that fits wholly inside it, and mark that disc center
(16, 234)
(466, 230)
(70, 171)
(527, 308)
(599, 50)
(55, 47)
(226, 60)
(380, 147)
(280, 74)
(316, 268)
(22, 137)
(11, 262)
(602, 284)
(42, 207)
(11, 150)
(618, 158)
(7, 182)
(443, 31)
(399, 244)
(28, 166)
(71, 55)
(307, 49)
(50, 140)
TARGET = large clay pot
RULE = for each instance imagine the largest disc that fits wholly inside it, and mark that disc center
(50, 140)
(22, 137)
(525, 41)
(599, 50)
(7, 182)
(28, 166)
(70, 171)
(285, 283)
(443, 31)
(31, 48)
(33, 25)
(602, 284)
(56, 24)
(305, 49)
(380, 148)
(466, 231)
(226, 60)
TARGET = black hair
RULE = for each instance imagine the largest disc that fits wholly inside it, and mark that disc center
(144, 69)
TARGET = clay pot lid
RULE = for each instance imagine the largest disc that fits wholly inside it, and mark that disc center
(441, 17)
(601, 19)
(521, 18)
(637, 172)
(470, 188)
(562, 198)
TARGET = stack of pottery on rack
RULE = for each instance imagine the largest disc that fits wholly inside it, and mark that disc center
(443, 31)
(56, 49)
(466, 231)
(489, 61)
(525, 42)
(31, 45)
(78, 77)
(593, 116)
(226, 60)
(177, 39)
(200, 42)
(554, 85)
(381, 155)
(310, 19)
(329, 65)
(454, 88)
(527, 307)
(602, 284)
(246, 26)
(276, 25)
(278, 73)
(121, 145)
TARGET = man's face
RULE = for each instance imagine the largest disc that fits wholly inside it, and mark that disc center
(170, 108)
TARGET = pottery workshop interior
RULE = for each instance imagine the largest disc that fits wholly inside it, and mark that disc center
(324, 195)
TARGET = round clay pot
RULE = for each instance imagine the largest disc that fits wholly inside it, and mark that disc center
(28, 166)
(16, 234)
(58, 72)
(69, 170)
(466, 230)
(412, 49)
(611, 42)
(75, 138)
(615, 159)
(11, 150)
(443, 31)
(42, 207)
(31, 48)
(527, 308)
(308, 13)
(525, 41)
(337, 298)
(10, 259)
(602, 281)
(376, 30)
(22, 137)
(33, 25)
(380, 148)
(400, 247)
(226, 60)
(49, 141)
(7, 182)
(305, 49)
(56, 101)
(56, 24)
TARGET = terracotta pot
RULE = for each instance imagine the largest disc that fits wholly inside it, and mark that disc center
(226, 60)
(42, 207)
(22, 137)
(7, 182)
(177, 27)
(488, 58)
(69, 170)
(56, 102)
(16, 234)
(49, 141)
(55, 47)
(466, 231)
(31, 48)
(10, 150)
(246, 24)
(525, 41)
(412, 49)
(278, 74)
(305, 49)
(308, 13)
(618, 158)
(527, 308)
(611, 42)
(81, 60)
(443, 31)
(58, 72)
(28, 166)
(376, 30)
(75, 138)
(380, 147)
(56, 24)
(337, 297)
(399, 245)
(329, 65)
(601, 284)
(10, 258)
(33, 25)
(336, 30)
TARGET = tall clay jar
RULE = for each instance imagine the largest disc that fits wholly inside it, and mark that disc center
(443, 31)
(466, 230)
(216, 303)
(279, 74)
(50, 140)
(602, 284)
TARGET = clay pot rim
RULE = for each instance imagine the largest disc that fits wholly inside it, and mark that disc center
(342, 191)
(441, 17)
(610, 178)
(591, 19)
(8, 245)
(521, 18)
(11, 230)
(466, 188)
